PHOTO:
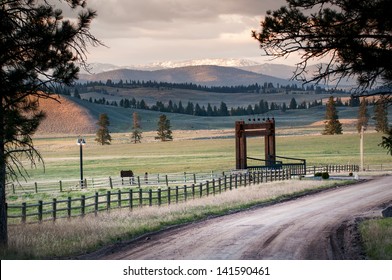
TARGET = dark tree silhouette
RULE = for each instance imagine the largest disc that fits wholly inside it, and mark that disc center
(39, 49)
(355, 37)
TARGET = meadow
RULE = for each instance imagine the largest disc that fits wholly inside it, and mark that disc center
(192, 151)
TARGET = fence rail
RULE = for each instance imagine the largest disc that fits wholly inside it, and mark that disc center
(158, 180)
(131, 198)
(165, 180)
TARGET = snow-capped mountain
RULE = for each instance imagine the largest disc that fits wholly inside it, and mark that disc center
(96, 68)
(230, 62)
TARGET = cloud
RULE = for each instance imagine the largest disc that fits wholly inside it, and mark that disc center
(141, 31)
(141, 11)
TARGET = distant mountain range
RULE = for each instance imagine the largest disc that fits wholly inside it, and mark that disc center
(209, 72)
(276, 70)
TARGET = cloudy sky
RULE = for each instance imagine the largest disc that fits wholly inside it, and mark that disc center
(146, 31)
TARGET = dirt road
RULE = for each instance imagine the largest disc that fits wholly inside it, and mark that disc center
(305, 228)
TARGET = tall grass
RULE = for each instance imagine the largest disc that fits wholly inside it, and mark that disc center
(377, 238)
(81, 235)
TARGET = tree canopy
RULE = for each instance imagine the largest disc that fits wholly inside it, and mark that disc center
(40, 49)
(353, 37)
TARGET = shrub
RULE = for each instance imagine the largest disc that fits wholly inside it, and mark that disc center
(325, 175)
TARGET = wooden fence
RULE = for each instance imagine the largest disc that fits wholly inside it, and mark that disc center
(332, 168)
(158, 180)
(161, 180)
(131, 198)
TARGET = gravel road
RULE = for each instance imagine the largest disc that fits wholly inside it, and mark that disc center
(311, 227)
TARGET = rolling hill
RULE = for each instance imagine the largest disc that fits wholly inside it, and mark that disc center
(209, 75)
(65, 117)
(78, 117)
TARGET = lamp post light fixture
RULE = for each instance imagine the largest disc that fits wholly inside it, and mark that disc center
(81, 141)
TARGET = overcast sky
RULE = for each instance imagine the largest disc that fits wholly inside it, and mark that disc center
(146, 31)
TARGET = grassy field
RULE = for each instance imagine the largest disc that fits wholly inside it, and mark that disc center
(192, 151)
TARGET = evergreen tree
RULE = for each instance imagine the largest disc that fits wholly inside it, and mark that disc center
(355, 37)
(223, 111)
(103, 136)
(363, 116)
(381, 116)
(332, 123)
(164, 132)
(39, 47)
(293, 104)
(136, 129)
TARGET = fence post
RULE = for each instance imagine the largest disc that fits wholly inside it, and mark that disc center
(40, 206)
(61, 186)
(213, 186)
(24, 210)
(176, 194)
(138, 181)
(69, 206)
(140, 197)
(110, 182)
(36, 187)
(54, 209)
(13, 188)
(185, 193)
(159, 197)
(208, 187)
(220, 185)
(194, 178)
(193, 191)
(83, 205)
(119, 198)
(236, 181)
(167, 180)
(225, 183)
(108, 197)
(96, 203)
(150, 197)
(168, 194)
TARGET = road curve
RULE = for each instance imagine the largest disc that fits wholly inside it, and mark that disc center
(296, 229)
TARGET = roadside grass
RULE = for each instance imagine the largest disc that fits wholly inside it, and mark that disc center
(377, 238)
(69, 238)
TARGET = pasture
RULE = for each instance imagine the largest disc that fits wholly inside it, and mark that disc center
(191, 151)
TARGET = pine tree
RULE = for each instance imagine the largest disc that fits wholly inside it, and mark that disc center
(363, 115)
(163, 130)
(40, 47)
(103, 136)
(136, 132)
(381, 116)
(332, 123)
(293, 104)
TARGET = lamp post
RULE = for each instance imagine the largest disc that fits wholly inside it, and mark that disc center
(81, 142)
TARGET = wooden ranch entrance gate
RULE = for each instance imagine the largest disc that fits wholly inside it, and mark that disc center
(266, 129)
